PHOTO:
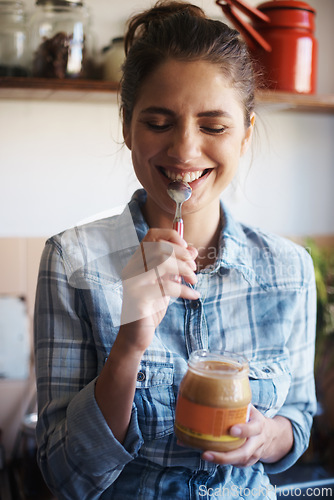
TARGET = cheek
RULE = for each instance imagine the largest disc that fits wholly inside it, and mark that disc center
(137, 163)
(145, 147)
(230, 155)
(138, 154)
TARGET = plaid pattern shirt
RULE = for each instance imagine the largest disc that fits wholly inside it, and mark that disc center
(258, 299)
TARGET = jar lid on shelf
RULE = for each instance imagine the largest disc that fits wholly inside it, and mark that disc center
(63, 3)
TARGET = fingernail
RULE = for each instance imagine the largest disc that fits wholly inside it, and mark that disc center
(192, 264)
(209, 457)
(235, 431)
(193, 251)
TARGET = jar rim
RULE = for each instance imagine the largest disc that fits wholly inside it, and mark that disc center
(235, 364)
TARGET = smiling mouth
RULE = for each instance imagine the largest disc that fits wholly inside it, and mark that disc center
(184, 176)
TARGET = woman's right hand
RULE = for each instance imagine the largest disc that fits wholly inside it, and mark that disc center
(150, 279)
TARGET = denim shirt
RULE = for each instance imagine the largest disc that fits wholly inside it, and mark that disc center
(258, 299)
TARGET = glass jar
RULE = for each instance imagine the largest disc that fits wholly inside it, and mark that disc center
(114, 56)
(214, 395)
(60, 40)
(12, 39)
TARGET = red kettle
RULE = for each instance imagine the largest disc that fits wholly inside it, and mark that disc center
(281, 40)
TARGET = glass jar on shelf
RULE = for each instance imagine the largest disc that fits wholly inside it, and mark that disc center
(60, 40)
(113, 56)
(13, 61)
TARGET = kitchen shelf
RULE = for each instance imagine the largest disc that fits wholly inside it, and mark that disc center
(286, 101)
(56, 90)
(101, 91)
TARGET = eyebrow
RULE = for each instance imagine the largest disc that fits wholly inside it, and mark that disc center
(215, 113)
(158, 111)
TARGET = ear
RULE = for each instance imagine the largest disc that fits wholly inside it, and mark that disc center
(248, 135)
(127, 134)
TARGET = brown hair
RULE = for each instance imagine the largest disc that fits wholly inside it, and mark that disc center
(177, 30)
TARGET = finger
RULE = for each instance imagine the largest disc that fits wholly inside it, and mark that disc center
(153, 285)
(171, 265)
(223, 458)
(172, 236)
(153, 254)
(174, 288)
(193, 252)
(253, 427)
(244, 456)
(159, 234)
(180, 269)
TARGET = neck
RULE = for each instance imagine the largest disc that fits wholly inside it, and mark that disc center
(204, 235)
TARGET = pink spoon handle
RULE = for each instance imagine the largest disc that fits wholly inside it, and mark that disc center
(178, 226)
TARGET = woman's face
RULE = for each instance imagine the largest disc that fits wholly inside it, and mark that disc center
(187, 123)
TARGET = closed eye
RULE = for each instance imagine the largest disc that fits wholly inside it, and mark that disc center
(157, 126)
(213, 130)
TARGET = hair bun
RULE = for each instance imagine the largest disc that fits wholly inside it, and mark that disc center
(139, 24)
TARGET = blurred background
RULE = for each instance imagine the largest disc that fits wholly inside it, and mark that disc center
(63, 162)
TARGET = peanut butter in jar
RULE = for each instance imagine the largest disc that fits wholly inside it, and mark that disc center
(214, 395)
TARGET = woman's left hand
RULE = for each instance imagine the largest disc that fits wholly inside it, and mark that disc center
(267, 439)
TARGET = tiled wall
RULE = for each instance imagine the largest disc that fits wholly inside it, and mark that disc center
(19, 262)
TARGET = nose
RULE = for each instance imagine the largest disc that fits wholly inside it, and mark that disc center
(185, 145)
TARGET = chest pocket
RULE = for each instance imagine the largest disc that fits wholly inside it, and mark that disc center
(155, 399)
(270, 382)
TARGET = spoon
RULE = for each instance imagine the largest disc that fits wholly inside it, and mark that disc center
(179, 191)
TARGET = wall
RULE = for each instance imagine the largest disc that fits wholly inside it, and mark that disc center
(19, 262)
(62, 162)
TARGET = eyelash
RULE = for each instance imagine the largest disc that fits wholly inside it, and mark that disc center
(217, 131)
(162, 128)
(158, 128)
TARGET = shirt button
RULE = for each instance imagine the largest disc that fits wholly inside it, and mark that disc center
(266, 370)
(195, 304)
(141, 376)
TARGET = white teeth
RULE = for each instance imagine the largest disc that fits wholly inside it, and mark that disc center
(185, 176)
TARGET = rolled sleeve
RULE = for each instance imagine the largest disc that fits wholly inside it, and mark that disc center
(78, 455)
(91, 440)
(301, 424)
(83, 458)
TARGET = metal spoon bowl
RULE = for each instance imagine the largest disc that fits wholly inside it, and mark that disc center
(179, 191)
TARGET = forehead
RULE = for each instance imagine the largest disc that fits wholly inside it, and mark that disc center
(193, 86)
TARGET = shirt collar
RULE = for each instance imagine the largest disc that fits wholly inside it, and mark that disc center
(135, 206)
(234, 251)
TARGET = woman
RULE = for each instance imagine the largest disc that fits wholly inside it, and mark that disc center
(115, 325)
